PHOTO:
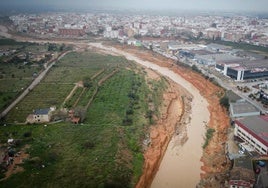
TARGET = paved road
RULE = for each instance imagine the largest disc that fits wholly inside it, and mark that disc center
(230, 86)
(243, 95)
(33, 84)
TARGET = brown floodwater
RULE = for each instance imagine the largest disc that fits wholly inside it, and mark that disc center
(180, 166)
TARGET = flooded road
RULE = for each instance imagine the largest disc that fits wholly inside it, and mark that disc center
(180, 166)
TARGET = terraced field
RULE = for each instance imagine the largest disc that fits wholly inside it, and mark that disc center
(106, 149)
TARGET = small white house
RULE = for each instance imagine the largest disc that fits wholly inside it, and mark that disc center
(132, 42)
(40, 115)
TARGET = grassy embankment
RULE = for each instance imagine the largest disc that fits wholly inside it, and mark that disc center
(104, 151)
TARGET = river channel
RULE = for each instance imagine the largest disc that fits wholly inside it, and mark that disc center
(181, 165)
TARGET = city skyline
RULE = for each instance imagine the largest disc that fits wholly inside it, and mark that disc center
(204, 5)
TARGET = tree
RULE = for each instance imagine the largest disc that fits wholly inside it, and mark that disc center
(62, 47)
(80, 112)
(200, 35)
(52, 47)
(224, 101)
(88, 83)
(196, 69)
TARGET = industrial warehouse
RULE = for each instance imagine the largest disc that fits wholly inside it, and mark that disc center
(244, 69)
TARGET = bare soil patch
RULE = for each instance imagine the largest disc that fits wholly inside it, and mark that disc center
(18, 159)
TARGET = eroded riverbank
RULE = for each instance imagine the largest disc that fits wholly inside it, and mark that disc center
(215, 164)
(181, 165)
(200, 115)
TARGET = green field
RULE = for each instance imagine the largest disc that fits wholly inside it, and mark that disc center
(106, 149)
(60, 81)
(14, 78)
(15, 74)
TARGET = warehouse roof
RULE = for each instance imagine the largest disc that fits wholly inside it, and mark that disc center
(259, 65)
(243, 108)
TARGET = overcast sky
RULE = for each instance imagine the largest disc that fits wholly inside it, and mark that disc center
(225, 5)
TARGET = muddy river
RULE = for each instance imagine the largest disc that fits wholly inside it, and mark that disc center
(181, 166)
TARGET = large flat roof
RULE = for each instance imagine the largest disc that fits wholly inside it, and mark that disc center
(218, 46)
(222, 58)
(257, 126)
(260, 63)
(201, 52)
(243, 107)
(253, 65)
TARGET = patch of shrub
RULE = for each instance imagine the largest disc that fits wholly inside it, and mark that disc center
(195, 68)
(209, 135)
(89, 145)
(52, 157)
(224, 101)
(129, 111)
(127, 121)
(27, 134)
